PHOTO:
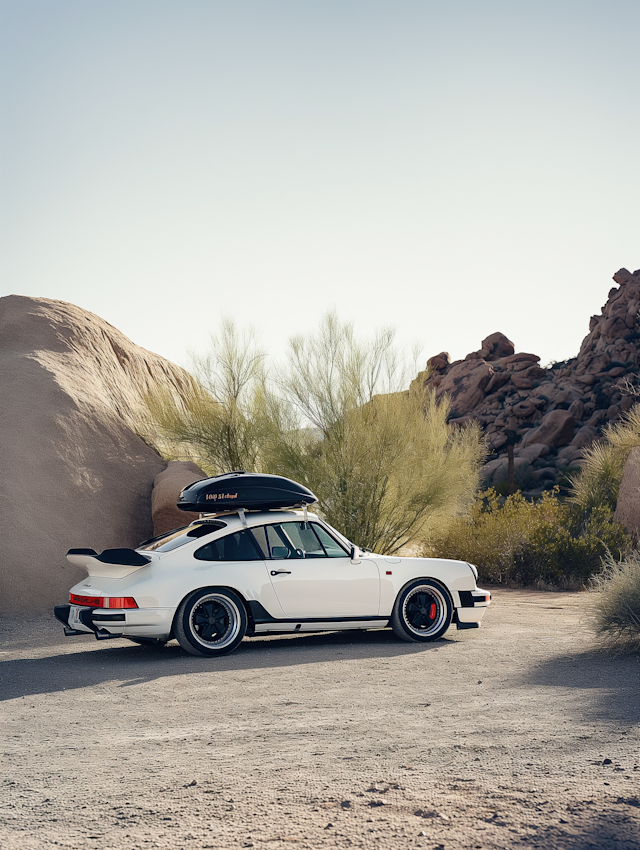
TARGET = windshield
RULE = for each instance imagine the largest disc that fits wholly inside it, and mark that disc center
(179, 536)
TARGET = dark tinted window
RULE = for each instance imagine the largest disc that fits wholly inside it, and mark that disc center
(180, 536)
(232, 547)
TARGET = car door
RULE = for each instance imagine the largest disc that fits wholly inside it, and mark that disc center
(313, 576)
(236, 561)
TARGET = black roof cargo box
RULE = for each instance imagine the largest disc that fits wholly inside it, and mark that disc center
(247, 490)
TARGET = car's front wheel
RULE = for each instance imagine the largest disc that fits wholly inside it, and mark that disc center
(210, 621)
(422, 612)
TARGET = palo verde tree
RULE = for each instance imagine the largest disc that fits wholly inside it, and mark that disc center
(218, 419)
(381, 459)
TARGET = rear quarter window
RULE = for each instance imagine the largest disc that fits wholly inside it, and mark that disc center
(231, 547)
(180, 536)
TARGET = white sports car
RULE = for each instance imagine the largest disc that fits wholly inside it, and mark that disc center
(247, 570)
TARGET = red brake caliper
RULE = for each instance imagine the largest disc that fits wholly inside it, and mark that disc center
(432, 611)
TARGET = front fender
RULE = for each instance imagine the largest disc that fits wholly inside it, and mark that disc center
(395, 573)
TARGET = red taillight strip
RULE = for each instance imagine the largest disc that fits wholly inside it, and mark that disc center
(103, 601)
(90, 601)
(120, 602)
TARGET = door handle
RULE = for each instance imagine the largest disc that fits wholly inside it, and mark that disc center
(280, 572)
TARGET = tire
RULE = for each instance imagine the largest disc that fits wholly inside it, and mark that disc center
(422, 612)
(211, 621)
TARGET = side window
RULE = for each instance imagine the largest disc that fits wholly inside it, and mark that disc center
(260, 536)
(270, 542)
(296, 540)
(331, 546)
(299, 536)
(232, 547)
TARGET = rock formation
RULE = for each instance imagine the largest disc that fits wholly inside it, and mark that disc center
(74, 472)
(166, 491)
(554, 412)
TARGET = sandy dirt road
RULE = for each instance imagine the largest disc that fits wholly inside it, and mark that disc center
(516, 735)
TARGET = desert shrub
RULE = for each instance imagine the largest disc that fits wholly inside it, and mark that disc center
(568, 547)
(602, 464)
(492, 534)
(515, 540)
(617, 601)
(218, 419)
(382, 460)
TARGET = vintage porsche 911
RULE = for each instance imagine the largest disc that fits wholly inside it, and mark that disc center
(256, 562)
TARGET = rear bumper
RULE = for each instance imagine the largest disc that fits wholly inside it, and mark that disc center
(105, 624)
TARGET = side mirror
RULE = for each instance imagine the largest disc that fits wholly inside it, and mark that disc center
(353, 554)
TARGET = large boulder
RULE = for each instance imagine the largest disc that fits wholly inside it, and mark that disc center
(628, 507)
(465, 383)
(167, 487)
(495, 346)
(556, 429)
(74, 471)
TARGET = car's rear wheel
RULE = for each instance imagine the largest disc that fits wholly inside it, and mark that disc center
(210, 621)
(422, 612)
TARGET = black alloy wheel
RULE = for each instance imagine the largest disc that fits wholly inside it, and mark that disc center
(422, 612)
(210, 621)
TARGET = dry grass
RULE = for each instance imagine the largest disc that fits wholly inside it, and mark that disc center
(617, 602)
(602, 464)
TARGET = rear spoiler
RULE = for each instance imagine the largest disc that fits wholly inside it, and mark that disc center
(111, 562)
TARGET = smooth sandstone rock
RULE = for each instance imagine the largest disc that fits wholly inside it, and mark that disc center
(167, 487)
(74, 472)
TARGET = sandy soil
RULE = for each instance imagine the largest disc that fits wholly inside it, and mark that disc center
(516, 735)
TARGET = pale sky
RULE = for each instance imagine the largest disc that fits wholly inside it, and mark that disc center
(451, 168)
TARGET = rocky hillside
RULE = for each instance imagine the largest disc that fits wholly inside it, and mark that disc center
(74, 473)
(551, 413)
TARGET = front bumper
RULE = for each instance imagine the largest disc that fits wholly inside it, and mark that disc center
(105, 623)
(473, 604)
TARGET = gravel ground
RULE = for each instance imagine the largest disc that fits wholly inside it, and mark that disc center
(516, 735)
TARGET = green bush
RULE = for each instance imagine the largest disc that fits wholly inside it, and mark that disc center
(569, 547)
(617, 602)
(545, 542)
